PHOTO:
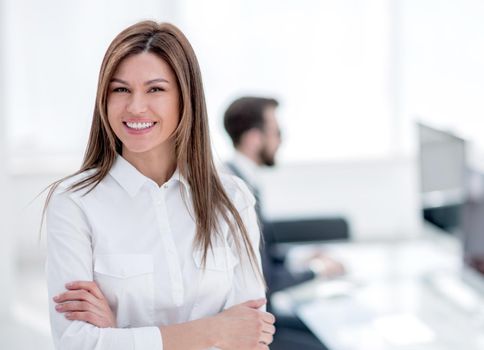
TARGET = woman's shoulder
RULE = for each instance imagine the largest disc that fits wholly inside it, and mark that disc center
(65, 185)
(63, 199)
(237, 190)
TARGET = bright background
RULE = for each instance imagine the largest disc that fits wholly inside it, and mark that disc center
(352, 76)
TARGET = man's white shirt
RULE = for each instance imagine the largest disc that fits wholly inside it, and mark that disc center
(135, 240)
(247, 168)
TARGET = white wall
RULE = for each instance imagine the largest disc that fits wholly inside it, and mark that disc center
(53, 51)
(442, 67)
(329, 63)
(351, 76)
(6, 241)
(26, 213)
(379, 198)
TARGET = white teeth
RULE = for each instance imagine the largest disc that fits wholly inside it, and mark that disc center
(139, 126)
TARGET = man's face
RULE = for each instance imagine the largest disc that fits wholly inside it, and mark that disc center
(272, 137)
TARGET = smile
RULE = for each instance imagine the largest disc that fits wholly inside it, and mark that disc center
(139, 126)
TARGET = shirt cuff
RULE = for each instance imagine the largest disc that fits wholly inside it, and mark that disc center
(147, 338)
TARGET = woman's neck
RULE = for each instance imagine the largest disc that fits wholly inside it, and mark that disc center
(158, 165)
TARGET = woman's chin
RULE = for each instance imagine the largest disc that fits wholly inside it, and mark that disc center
(137, 149)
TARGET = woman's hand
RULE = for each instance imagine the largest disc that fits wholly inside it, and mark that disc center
(84, 301)
(243, 326)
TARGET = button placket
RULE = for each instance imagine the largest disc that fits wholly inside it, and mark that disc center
(169, 246)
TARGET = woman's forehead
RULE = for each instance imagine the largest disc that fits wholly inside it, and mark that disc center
(143, 67)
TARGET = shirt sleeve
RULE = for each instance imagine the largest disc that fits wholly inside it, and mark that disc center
(69, 258)
(248, 283)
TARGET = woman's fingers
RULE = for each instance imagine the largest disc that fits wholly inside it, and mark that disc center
(84, 311)
(243, 326)
(269, 329)
(76, 306)
(72, 295)
(78, 300)
(90, 286)
(266, 339)
(268, 318)
(84, 301)
(255, 303)
(266, 335)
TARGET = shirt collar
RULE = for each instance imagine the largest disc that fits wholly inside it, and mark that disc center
(132, 180)
(247, 167)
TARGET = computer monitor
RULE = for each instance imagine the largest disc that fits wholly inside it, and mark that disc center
(442, 166)
(449, 200)
(472, 234)
(442, 163)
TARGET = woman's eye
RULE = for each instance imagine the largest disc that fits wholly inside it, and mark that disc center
(156, 89)
(120, 89)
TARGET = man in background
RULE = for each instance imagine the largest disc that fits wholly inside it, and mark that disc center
(252, 125)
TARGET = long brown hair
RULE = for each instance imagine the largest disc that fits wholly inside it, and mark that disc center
(192, 140)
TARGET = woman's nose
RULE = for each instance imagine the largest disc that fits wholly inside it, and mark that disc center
(137, 104)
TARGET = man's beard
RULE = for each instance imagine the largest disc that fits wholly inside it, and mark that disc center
(266, 158)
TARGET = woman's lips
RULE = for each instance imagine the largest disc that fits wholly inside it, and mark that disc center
(139, 127)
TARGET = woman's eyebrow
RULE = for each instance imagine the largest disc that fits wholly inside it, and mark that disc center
(157, 80)
(116, 80)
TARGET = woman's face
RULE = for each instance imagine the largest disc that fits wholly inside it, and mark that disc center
(143, 104)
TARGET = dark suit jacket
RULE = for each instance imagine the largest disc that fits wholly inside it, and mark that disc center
(276, 274)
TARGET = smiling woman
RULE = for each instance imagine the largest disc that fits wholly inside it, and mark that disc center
(143, 85)
(148, 246)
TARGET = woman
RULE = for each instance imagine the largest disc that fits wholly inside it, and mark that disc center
(148, 248)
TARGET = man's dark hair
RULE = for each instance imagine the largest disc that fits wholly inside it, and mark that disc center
(244, 114)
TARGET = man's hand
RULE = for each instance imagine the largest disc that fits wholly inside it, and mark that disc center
(84, 301)
(325, 266)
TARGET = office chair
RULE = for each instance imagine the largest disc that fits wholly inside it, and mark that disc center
(310, 229)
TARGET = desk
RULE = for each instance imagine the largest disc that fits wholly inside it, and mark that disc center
(396, 295)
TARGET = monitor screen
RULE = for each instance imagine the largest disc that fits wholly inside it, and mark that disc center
(447, 199)
(442, 163)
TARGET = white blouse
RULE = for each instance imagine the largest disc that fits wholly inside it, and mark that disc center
(135, 239)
